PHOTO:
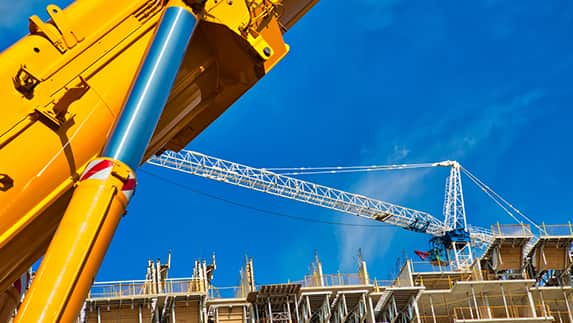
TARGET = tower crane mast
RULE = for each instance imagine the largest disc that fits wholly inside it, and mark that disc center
(452, 234)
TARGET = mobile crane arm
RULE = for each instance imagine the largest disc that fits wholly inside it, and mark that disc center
(69, 96)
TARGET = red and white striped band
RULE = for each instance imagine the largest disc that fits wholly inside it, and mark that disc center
(102, 168)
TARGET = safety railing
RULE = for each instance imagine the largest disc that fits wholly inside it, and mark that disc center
(380, 284)
(332, 280)
(132, 288)
(227, 292)
(446, 282)
(119, 288)
(556, 230)
(500, 312)
(431, 266)
(183, 285)
(434, 319)
(511, 230)
(342, 280)
(561, 317)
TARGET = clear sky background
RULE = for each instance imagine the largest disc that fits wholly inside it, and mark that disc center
(486, 82)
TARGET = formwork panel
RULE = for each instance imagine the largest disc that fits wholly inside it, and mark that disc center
(230, 314)
(187, 312)
(508, 257)
(119, 315)
(552, 258)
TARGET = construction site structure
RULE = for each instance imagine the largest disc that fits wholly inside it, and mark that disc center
(501, 286)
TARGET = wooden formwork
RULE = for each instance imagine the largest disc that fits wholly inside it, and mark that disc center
(506, 252)
(187, 311)
(121, 313)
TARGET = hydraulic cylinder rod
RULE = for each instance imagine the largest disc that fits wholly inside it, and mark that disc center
(103, 191)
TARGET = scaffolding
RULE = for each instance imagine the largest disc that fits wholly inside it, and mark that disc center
(502, 286)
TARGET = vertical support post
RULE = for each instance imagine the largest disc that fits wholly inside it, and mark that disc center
(345, 305)
(296, 309)
(252, 314)
(202, 310)
(106, 186)
(288, 310)
(544, 309)
(470, 306)
(416, 308)
(569, 313)
(98, 315)
(371, 315)
(328, 312)
(433, 310)
(309, 309)
(478, 314)
(270, 309)
(318, 270)
(486, 301)
(504, 300)
(362, 308)
(531, 302)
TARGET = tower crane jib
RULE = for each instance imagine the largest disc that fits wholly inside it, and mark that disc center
(263, 180)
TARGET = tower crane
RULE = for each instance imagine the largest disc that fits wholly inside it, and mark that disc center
(452, 239)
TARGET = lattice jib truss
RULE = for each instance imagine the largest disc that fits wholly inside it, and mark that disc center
(303, 191)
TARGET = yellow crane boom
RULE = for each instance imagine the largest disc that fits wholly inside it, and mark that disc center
(66, 85)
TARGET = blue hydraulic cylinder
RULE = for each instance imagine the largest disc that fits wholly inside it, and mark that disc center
(151, 89)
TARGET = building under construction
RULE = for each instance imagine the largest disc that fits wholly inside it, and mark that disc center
(520, 277)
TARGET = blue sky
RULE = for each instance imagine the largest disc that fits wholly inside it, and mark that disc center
(488, 83)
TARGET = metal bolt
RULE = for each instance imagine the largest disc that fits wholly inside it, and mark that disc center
(267, 51)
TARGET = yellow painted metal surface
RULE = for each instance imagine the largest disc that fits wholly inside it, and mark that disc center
(64, 85)
(95, 211)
